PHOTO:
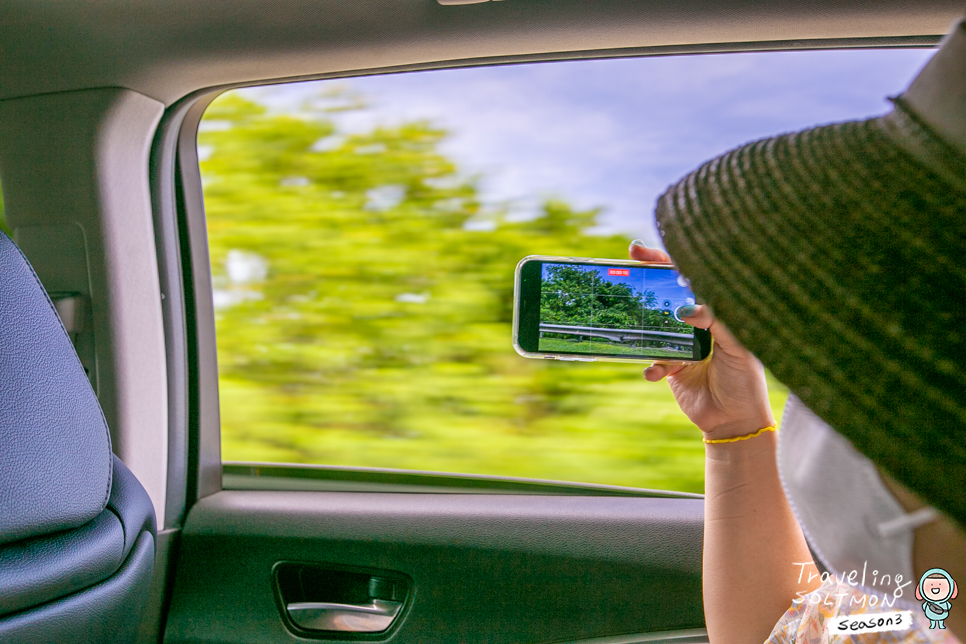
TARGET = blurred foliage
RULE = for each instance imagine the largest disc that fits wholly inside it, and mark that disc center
(364, 302)
(3, 217)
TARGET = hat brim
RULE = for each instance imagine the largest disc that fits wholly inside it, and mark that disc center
(838, 257)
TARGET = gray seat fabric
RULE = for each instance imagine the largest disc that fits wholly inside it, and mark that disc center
(77, 530)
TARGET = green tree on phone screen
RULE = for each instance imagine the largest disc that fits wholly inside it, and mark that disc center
(579, 296)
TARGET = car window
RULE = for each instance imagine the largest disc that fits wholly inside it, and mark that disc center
(364, 232)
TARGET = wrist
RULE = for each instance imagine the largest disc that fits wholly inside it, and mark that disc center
(738, 428)
(744, 460)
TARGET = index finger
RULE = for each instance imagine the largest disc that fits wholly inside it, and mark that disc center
(703, 318)
(644, 254)
(660, 370)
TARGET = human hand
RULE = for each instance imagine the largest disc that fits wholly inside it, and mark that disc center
(725, 395)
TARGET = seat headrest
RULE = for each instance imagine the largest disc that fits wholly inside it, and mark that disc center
(55, 449)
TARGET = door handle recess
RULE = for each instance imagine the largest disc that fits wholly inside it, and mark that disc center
(326, 616)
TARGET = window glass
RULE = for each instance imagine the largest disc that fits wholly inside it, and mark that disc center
(364, 234)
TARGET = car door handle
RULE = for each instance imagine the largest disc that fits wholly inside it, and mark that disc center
(353, 618)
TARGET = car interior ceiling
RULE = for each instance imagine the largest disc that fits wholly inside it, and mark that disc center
(98, 98)
(165, 50)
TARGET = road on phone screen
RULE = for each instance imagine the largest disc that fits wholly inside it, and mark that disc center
(620, 335)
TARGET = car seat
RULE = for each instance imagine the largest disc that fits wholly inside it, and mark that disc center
(77, 530)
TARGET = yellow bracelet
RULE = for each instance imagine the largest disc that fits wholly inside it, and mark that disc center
(770, 428)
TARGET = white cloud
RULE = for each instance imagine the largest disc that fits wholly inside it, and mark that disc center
(244, 267)
(384, 197)
(223, 298)
(480, 225)
(413, 298)
(328, 143)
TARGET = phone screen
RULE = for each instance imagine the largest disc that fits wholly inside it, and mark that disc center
(594, 309)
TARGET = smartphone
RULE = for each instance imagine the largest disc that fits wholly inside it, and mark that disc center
(570, 308)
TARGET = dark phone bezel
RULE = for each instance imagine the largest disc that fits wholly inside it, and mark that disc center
(528, 316)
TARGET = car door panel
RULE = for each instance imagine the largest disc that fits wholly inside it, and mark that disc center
(484, 567)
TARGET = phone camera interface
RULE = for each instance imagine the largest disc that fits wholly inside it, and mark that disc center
(604, 310)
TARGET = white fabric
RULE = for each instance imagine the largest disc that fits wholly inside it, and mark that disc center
(849, 517)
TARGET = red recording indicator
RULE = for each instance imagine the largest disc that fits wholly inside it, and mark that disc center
(621, 272)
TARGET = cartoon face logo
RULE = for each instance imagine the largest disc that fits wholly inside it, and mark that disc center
(936, 588)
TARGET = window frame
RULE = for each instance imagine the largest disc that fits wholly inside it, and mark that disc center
(196, 469)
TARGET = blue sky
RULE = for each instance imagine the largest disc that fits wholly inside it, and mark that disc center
(614, 134)
(666, 288)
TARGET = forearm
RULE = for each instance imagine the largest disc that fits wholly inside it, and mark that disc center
(751, 542)
(751, 538)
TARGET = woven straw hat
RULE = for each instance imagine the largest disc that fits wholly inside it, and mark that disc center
(837, 255)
